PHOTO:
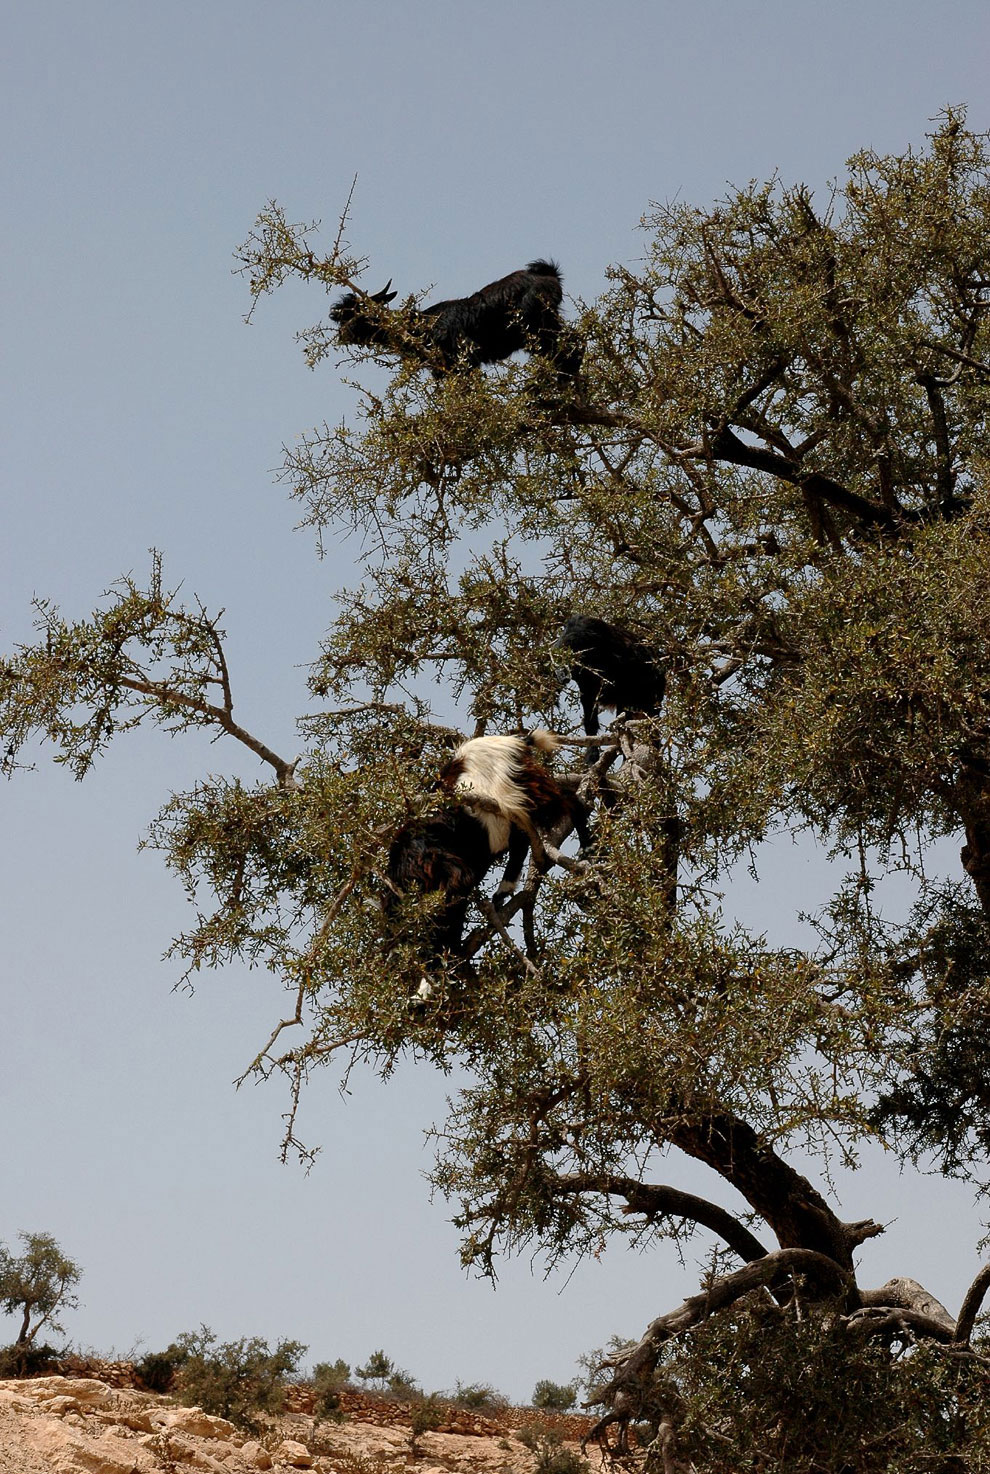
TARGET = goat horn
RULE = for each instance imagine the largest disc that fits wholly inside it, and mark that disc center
(384, 295)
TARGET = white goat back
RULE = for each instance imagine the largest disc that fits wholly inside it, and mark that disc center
(491, 766)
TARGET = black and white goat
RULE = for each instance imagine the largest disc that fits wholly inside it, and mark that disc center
(521, 310)
(612, 669)
(504, 798)
(514, 795)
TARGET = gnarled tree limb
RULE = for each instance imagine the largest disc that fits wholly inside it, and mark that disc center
(660, 1201)
(971, 1305)
(633, 1369)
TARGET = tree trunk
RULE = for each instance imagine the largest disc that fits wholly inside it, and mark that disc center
(975, 853)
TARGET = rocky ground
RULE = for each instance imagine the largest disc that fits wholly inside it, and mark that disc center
(95, 1423)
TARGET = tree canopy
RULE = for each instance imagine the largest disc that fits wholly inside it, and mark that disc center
(772, 467)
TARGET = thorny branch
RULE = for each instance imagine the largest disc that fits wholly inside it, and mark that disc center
(262, 1061)
(166, 696)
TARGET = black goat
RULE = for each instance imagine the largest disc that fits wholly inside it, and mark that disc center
(521, 310)
(612, 669)
(505, 796)
(450, 853)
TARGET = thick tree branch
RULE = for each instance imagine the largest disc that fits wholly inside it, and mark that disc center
(726, 446)
(659, 1201)
(491, 915)
(763, 381)
(963, 359)
(907, 1294)
(971, 1305)
(898, 1320)
(945, 479)
(971, 799)
(798, 1215)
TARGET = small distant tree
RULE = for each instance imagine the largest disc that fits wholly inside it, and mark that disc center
(37, 1285)
(328, 1379)
(379, 1370)
(554, 1396)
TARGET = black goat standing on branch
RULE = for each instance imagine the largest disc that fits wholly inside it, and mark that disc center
(449, 853)
(505, 797)
(521, 310)
(612, 669)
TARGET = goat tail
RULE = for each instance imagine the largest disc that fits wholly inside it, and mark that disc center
(543, 740)
(544, 268)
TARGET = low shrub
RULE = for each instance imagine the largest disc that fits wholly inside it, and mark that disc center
(238, 1380)
(156, 1371)
(478, 1397)
(427, 1415)
(403, 1387)
(26, 1359)
(328, 1379)
(549, 1453)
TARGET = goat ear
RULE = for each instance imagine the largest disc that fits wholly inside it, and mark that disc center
(384, 295)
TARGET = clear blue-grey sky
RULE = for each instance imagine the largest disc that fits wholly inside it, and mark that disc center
(140, 411)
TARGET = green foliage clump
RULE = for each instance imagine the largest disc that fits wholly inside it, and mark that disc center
(426, 1416)
(403, 1386)
(554, 1396)
(240, 1380)
(157, 1370)
(763, 1389)
(937, 1106)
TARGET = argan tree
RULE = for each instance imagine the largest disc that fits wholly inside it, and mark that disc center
(772, 469)
(37, 1285)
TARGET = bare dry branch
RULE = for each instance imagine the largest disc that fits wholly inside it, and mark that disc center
(167, 696)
